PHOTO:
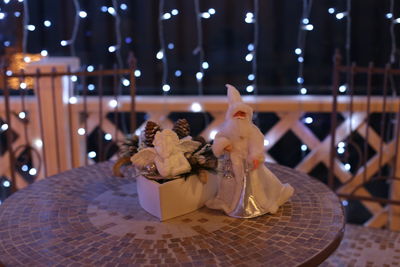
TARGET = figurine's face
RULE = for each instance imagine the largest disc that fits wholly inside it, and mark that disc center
(239, 111)
(241, 115)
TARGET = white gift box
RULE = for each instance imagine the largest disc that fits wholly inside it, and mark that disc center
(176, 197)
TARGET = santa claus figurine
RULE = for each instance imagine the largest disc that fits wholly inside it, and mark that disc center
(247, 188)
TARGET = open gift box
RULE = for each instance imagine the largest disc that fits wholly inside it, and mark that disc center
(176, 197)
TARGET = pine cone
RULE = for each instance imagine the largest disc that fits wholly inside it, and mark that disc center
(182, 128)
(150, 131)
(129, 146)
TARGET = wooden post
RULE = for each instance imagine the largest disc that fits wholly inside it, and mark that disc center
(53, 97)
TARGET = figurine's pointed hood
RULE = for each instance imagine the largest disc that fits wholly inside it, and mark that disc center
(236, 104)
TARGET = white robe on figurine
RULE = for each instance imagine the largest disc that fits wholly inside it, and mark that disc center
(245, 192)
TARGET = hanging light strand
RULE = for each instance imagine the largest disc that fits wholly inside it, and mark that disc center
(255, 45)
(348, 39)
(71, 42)
(25, 25)
(118, 53)
(118, 34)
(162, 51)
(199, 49)
(304, 26)
(392, 57)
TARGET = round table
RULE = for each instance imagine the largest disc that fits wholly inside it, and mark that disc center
(86, 216)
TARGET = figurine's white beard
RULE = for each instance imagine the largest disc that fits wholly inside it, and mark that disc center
(237, 127)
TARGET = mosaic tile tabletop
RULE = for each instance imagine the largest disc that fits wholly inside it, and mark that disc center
(87, 217)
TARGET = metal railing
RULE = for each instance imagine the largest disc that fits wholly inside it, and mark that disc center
(376, 154)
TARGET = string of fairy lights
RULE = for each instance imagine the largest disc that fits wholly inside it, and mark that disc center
(305, 26)
(342, 145)
(339, 16)
(161, 54)
(78, 15)
(251, 56)
(390, 16)
(117, 28)
(199, 50)
(26, 25)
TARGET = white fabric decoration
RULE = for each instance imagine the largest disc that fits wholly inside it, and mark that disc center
(167, 154)
(248, 189)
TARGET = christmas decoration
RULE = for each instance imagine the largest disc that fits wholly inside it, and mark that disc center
(173, 169)
(164, 155)
(182, 128)
(167, 154)
(127, 149)
(118, 165)
(130, 146)
(174, 157)
(150, 131)
(247, 188)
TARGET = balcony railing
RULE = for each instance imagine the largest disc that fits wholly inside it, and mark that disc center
(55, 127)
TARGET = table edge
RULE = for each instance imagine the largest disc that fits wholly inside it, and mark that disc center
(326, 252)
